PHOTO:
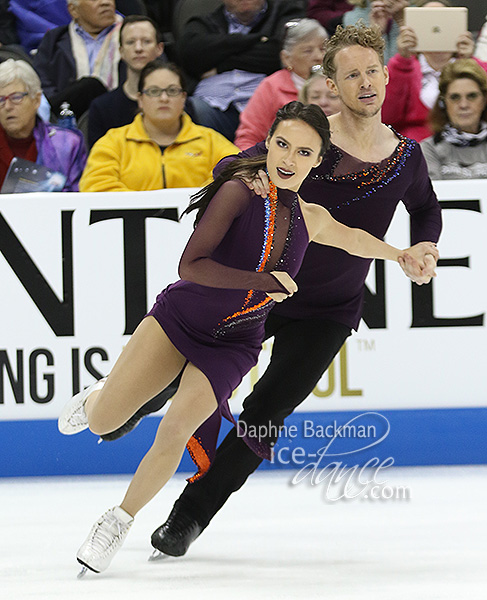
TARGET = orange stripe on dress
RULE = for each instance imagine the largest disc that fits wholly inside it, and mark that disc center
(199, 457)
(269, 239)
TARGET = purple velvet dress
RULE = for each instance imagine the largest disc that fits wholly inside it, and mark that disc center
(215, 315)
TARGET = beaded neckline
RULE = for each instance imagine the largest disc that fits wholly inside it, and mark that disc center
(370, 180)
(375, 170)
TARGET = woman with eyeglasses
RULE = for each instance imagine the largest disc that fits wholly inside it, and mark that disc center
(23, 134)
(458, 148)
(174, 151)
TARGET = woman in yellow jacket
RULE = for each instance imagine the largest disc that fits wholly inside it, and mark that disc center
(161, 148)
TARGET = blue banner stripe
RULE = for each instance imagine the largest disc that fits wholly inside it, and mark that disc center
(410, 437)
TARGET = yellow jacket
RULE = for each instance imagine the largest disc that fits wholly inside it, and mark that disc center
(126, 159)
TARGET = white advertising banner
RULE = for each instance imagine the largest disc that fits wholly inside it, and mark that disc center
(78, 271)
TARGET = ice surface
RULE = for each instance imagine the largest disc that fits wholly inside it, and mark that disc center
(272, 540)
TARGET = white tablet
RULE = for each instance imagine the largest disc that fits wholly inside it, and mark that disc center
(437, 29)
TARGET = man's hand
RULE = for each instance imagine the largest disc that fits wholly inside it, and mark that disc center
(287, 282)
(419, 262)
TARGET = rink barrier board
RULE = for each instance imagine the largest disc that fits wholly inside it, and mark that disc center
(418, 357)
(414, 437)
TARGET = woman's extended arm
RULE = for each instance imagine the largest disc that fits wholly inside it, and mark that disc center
(197, 264)
(324, 229)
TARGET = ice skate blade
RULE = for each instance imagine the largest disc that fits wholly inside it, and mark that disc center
(82, 573)
(157, 555)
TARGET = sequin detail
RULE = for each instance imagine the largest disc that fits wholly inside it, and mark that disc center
(199, 457)
(248, 309)
(374, 177)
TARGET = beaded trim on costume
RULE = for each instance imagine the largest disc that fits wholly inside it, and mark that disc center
(199, 457)
(249, 313)
(373, 178)
(282, 262)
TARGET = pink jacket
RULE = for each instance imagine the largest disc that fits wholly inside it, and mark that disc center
(259, 114)
(402, 107)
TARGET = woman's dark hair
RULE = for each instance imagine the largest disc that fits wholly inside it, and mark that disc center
(158, 65)
(248, 168)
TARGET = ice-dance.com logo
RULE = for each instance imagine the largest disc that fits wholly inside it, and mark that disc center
(339, 479)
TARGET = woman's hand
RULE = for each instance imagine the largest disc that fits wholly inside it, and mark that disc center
(259, 184)
(406, 42)
(419, 262)
(465, 45)
(285, 280)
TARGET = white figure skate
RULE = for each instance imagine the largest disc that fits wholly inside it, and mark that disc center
(104, 540)
(73, 417)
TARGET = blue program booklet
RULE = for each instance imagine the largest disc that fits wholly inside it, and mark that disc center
(26, 176)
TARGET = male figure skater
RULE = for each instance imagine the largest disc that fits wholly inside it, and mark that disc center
(367, 171)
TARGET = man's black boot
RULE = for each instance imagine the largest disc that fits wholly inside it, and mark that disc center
(176, 535)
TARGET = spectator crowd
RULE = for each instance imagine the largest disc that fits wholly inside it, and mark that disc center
(156, 102)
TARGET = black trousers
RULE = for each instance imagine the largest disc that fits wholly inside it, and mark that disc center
(302, 352)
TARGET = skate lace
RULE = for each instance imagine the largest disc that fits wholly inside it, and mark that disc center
(78, 417)
(106, 534)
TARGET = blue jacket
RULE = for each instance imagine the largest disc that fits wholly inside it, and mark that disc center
(35, 17)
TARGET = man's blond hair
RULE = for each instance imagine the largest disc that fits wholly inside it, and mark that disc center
(353, 35)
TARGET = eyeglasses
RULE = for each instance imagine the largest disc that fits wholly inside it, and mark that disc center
(471, 97)
(155, 92)
(15, 98)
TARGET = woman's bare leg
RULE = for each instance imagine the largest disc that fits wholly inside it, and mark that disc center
(147, 364)
(193, 403)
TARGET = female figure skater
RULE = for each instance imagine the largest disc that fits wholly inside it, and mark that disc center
(239, 260)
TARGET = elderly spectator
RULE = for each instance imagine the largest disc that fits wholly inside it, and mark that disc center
(79, 61)
(328, 12)
(24, 135)
(303, 48)
(229, 52)
(413, 81)
(140, 43)
(386, 14)
(316, 91)
(458, 148)
(161, 148)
